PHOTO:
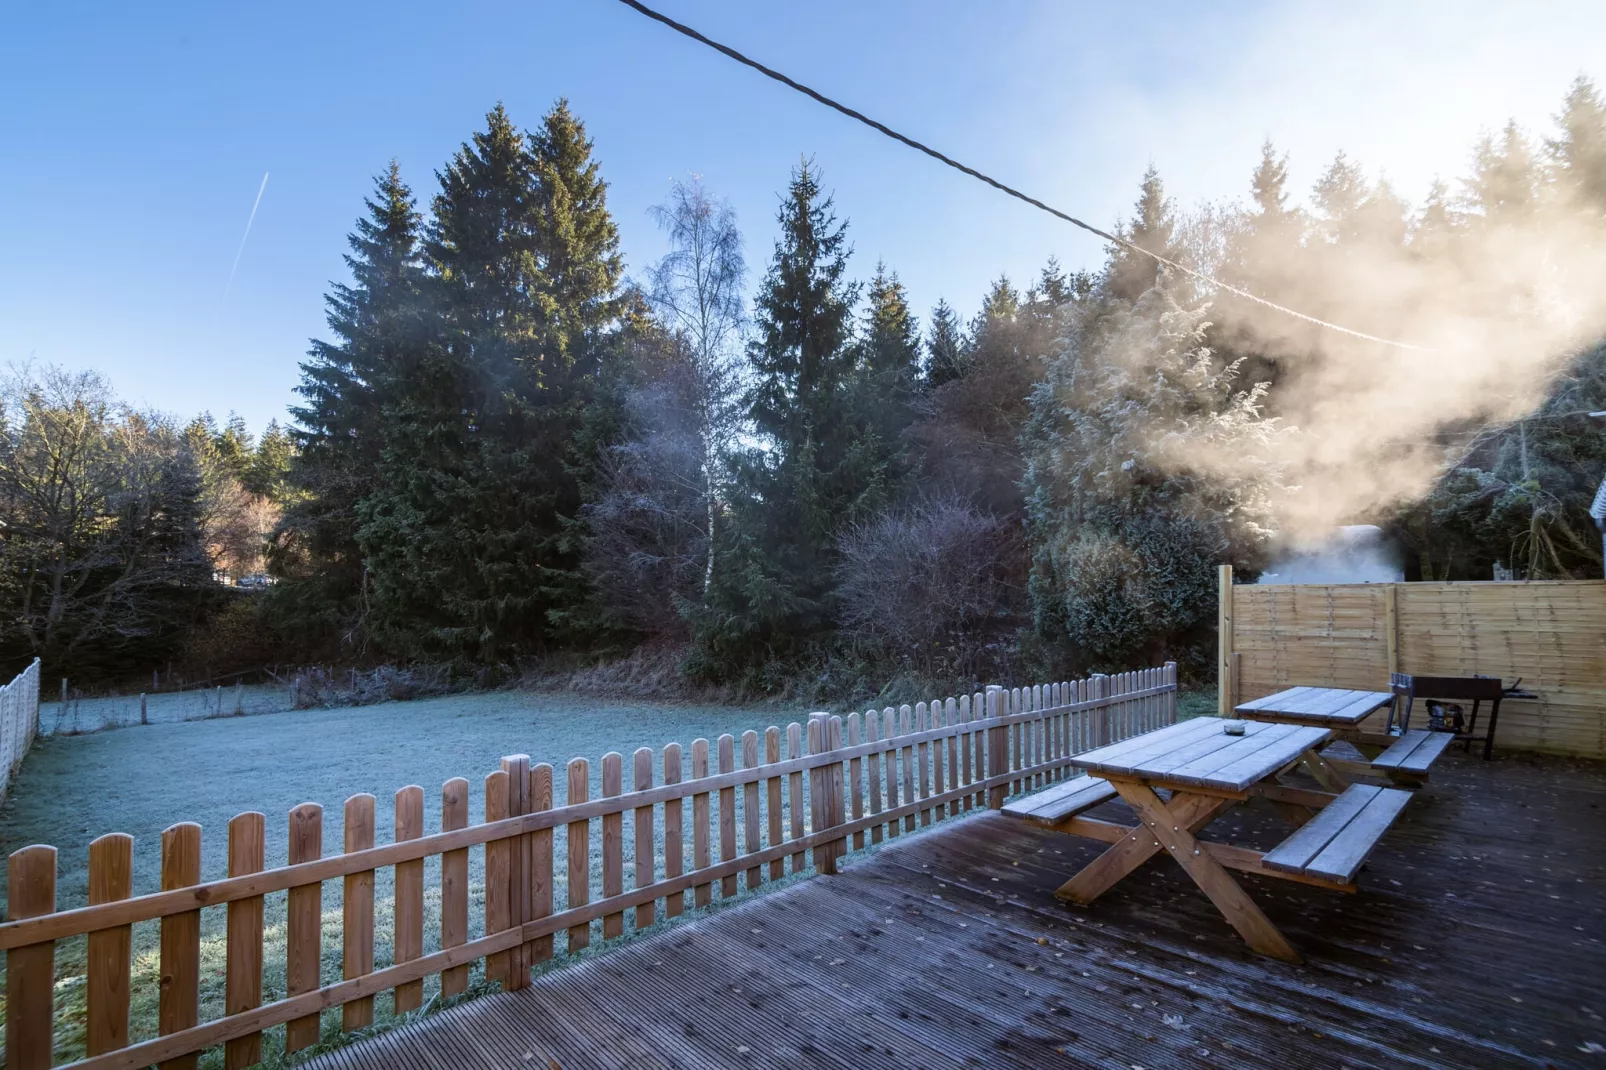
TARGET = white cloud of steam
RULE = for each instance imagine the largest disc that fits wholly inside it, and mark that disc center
(1354, 554)
(1501, 302)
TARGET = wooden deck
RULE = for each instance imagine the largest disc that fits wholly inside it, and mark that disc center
(1478, 940)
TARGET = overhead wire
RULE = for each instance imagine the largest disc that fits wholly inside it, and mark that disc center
(834, 105)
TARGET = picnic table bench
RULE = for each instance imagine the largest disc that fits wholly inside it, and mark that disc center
(1403, 758)
(1205, 771)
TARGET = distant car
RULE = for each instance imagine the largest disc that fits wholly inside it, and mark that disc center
(255, 580)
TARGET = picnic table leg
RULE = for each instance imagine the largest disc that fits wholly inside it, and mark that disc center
(1233, 902)
(1105, 871)
(1292, 813)
(1323, 773)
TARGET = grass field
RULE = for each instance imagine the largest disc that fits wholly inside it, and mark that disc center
(140, 780)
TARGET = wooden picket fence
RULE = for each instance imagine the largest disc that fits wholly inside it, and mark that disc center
(861, 780)
(19, 721)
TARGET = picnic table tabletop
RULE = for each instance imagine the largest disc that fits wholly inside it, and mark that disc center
(1334, 707)
(1198, 753)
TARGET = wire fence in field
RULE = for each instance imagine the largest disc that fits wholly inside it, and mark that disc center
(19, 721)
(93, 713)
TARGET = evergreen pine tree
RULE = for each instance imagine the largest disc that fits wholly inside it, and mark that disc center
(1040, 313)
(575, 236)
(995, 331)
(467, 485)
(1338, 196)
(469, 534)
(1129, 273)
(1434, 225)
(1359, 231)
(969, 434)
(803, 319)
(270, 463)
(814, 476)
(1264, 255)
(890, 339)
(1579, 154)
(999, 307)
(1263, 248)
(1505, 182)
(946, 346)
(589, 369)
(377, 324)
(882, 392)
(234, 447)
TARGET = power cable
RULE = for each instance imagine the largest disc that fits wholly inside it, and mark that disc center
(851, 113)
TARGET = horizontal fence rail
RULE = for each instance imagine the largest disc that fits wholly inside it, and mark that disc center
(548, 869)
(19, 722)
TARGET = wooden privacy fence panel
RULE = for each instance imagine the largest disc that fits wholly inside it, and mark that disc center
(1551, 633)
(19, 722)
(884, 774)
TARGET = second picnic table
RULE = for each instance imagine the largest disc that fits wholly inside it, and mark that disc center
(1403, 758)
(1327, 707)
(1206, 771)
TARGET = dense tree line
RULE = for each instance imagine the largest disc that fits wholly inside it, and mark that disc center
(117, 526)
(506, 448)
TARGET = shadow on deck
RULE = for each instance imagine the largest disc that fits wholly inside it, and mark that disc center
(1478, 940)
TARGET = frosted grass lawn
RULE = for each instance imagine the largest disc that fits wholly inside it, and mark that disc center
(142, 779)
(1191, 704)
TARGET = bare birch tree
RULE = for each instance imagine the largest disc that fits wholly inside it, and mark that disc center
(697, 289)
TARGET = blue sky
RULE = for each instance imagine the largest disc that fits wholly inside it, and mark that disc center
(136, 137)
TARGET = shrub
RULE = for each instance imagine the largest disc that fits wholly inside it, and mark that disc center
(935, 582)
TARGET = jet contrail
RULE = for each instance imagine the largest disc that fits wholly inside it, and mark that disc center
(241, 250)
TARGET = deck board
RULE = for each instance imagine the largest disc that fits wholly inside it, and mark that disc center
(947, 949)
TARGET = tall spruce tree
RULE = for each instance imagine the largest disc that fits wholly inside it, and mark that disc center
(467, 534)
(1264, 254)
(270, 463)
(1504, 187)
(1579, 154)
(813, 475)
(1259, 251)
(890, 339)
(972, 419)
(946, 346)
(377, 322)
(886, 382)
(1129, 273)
(588, 365)
(576, 238)
(1338, 196)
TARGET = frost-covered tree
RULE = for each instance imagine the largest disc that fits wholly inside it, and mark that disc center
(1148, 463)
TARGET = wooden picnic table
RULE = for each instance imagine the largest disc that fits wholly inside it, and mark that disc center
(1327, 707)
(1402, 758)
(1206, 772)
